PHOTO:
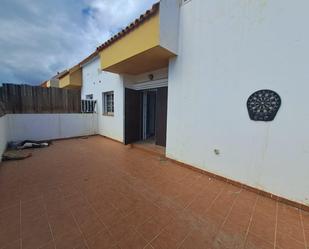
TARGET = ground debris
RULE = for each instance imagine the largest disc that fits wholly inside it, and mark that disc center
(15, 155)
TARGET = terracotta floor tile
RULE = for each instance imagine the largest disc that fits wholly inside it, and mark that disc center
(187, 196)
(305, 218)
(263, 228)
(149, 246)
(52, 194)
(266, 207)
(83, 214)
(120, 229)
(70, 241)
(138, 197)
(9, 200)
(223, 203)
(137, 218)
(14, 245)
(286, 242)
(101, 241)
(307, 237)
(212, 223)
(132, 240)
(10, 234)
(9, 225)
(170, 206)
(292, 231)
(289, 214)
(162, 217)
(36, 240)
(9, 216)
(68, 190)
(49, 245)
(239, 218)
(230, 236)
(35, 226)
(110, 217)
(172, 236)
(63, 225)
(200, 205)
(102, 206)
(32, 209)
(92, 227)
(254, 242)
(198, 239)
(56, 207)
(150, 229)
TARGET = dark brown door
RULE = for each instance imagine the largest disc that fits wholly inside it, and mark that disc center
(161, 116)
(133, 114)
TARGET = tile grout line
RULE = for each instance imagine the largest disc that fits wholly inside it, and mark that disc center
(188, 205)
(49, 226)
(213, 202)
(188, 186)
(250, 222)
(76, 223)
(275, 242)
(135, 230)
(198, 195)
(149, 243)
(303, 227)
(79, 229)
(180, 244)
(225, 219)
(229, 212)
(98, 216)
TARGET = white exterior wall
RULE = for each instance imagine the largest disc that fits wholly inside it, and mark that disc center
(3, 134)
(50, 126)
(227, 51)
(96, 82)
(169, 24)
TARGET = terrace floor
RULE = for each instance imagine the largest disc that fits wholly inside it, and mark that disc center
(95, 193)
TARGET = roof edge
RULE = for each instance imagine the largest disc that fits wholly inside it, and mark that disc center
(147, 15)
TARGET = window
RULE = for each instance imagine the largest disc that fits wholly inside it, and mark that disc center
(108, 103)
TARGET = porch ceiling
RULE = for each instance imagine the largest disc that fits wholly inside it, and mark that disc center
(152, 59)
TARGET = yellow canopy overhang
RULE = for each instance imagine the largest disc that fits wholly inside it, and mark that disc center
(72, 79)
(137, 48)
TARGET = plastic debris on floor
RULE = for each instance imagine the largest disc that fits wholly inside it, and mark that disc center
(28, 144)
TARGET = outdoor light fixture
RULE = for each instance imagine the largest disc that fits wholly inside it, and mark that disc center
(150, 76)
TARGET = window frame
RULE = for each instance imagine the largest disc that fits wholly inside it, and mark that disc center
(106, 102)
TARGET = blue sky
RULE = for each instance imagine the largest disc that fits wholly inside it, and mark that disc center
(40, 37)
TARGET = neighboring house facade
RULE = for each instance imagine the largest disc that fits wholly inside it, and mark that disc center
(54, 81)
(182, 74)
(96, 84)
(72, 79)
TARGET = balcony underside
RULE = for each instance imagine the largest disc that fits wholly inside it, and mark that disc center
(152, 59)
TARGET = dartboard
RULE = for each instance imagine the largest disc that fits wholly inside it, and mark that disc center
(263, 105)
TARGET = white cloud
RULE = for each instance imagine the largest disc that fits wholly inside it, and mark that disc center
(39, 38)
